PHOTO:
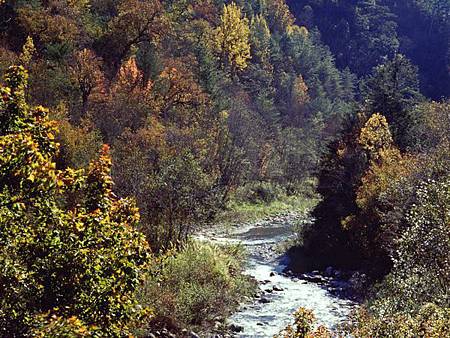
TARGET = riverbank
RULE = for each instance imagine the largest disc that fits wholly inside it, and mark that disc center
(240, 211)
(280, 292)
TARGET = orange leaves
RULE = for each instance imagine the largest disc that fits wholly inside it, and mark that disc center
(85, 71)
(130, 80)
(179, 98)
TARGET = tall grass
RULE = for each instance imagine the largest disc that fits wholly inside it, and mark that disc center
(196, 286)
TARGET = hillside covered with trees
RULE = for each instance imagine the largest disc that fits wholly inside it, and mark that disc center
(163, 117)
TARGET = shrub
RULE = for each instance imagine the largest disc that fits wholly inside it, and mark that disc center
(194, 286)
(304, 327)
(259, 192)
(431, 321)
(67, 245)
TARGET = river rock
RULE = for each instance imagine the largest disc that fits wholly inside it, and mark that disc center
(315, 278)
(264, 300)
(277, 288)
(329, 271)
(236, 328)
(272, 274)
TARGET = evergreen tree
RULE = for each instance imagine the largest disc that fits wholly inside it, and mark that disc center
(393, 90)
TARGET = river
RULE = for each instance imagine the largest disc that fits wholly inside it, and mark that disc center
(280, 294)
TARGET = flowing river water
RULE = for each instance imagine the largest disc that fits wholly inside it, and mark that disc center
(280, 294)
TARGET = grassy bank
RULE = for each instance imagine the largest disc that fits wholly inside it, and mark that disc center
(196, 288)
(253, 203)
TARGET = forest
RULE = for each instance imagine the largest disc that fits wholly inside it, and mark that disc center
(128, 127)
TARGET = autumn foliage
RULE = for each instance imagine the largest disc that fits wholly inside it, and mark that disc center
(70, 256)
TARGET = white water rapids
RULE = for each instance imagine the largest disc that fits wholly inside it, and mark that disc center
(270, 313)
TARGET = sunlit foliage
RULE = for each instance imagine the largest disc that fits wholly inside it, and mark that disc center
(232, 38)
(69, 253)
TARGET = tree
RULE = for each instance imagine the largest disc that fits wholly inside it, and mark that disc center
(421, 268)
(341, 169)
(375, 36)
(393, 90)
(232, 38)
(387, 166)
(260, 40)
(127, 103)
(69, 252)
(279, 16)
(375, 136)
(172, 189)
(85, 71)
(137, 21)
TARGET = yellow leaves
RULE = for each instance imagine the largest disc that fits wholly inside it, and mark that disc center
(233, 37)
(381, 175)
(78, 229)
(298, 30)
(375, 136)
(28, 50)
(348, 222)
(304, 327)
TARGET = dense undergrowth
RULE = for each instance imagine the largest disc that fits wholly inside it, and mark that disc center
(197, 287)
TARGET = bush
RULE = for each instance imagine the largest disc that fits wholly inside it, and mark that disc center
(259, 192)
(431, 321)
(194, 286)
(67, 244)
(304, 327)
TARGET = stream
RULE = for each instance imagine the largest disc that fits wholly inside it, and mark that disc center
(280, 293)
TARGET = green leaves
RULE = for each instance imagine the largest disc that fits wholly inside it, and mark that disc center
(72, 261)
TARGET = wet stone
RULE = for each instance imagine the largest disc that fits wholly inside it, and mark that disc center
(236, 328)
(277, 288)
